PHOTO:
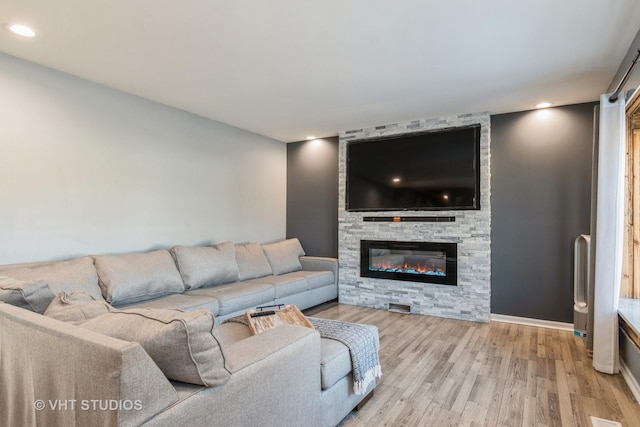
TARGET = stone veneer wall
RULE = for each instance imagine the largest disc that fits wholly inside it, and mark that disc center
(470, 300)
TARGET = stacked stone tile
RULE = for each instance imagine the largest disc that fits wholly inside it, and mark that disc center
(471, 299)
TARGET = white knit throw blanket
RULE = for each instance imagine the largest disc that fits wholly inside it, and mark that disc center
(362, 344)
(363, 347)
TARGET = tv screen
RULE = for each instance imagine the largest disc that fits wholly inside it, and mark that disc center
(437, 170)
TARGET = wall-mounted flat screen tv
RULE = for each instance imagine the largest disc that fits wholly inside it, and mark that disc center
(436, 170)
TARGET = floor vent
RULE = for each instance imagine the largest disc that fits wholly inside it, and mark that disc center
(399, 308)
(599, 422)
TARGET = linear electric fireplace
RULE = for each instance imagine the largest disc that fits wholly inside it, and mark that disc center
(411, 261)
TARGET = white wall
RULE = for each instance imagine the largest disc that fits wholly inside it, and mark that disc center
(85, 169)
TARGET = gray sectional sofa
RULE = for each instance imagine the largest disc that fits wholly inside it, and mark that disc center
(98, 340)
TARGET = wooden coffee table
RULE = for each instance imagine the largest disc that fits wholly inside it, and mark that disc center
(289, 315)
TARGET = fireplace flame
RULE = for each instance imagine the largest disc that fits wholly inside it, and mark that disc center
(408, 268)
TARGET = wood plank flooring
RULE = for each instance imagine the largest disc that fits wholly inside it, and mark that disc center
(441, 372)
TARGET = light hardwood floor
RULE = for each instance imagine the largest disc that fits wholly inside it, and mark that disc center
(441, 372)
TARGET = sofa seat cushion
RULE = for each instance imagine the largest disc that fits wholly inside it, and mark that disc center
(335, 362)
(62, 276)
(180, 342)
(31, 295)
(238, 296)
(316, 279)
(202, 266)
(229, 333)
(177, 301)
(284, 285)
(185, 391)
(76, 307)
(130, 278)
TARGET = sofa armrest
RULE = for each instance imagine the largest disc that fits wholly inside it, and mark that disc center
(58, 374)
(316, 263)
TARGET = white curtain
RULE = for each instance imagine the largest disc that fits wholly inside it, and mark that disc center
(609, 234)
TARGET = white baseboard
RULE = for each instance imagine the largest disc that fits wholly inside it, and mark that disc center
(532, 322)
(631, 381)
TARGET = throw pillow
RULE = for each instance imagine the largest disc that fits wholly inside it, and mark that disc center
(252, 263)
(137, 277)
(206, 266)
(284, 256)
(76, 307)
(180, 342)
(62, 276)
(32, 295)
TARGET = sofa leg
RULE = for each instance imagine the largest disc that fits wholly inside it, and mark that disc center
(364, 401)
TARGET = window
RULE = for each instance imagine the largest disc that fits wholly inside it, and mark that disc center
(630, 286)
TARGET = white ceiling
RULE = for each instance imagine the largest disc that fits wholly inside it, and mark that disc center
(291, 68)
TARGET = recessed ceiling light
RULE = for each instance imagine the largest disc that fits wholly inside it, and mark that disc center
(310, 137)
(396, 180)
(21, 30)
(544, 105)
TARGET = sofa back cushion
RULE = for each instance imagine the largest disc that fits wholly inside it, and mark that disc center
(62, 276)
(33, 295)
(181, 343)
(284, 256)
(206, 265)
(76, 307)
(137, 277)
(252, 262)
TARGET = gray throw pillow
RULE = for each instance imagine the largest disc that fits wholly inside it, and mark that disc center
(76, 307)
(252, 262)
(202, 266)
(137, 277)
(31, 295)
(62, 276)
(180, 342)
(284, 256)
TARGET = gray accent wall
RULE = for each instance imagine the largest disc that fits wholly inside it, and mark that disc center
(90, 170)
(540, 189)
(540, 202)
(312, 195)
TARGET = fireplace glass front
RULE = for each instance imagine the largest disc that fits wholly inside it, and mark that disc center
(411, 261)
